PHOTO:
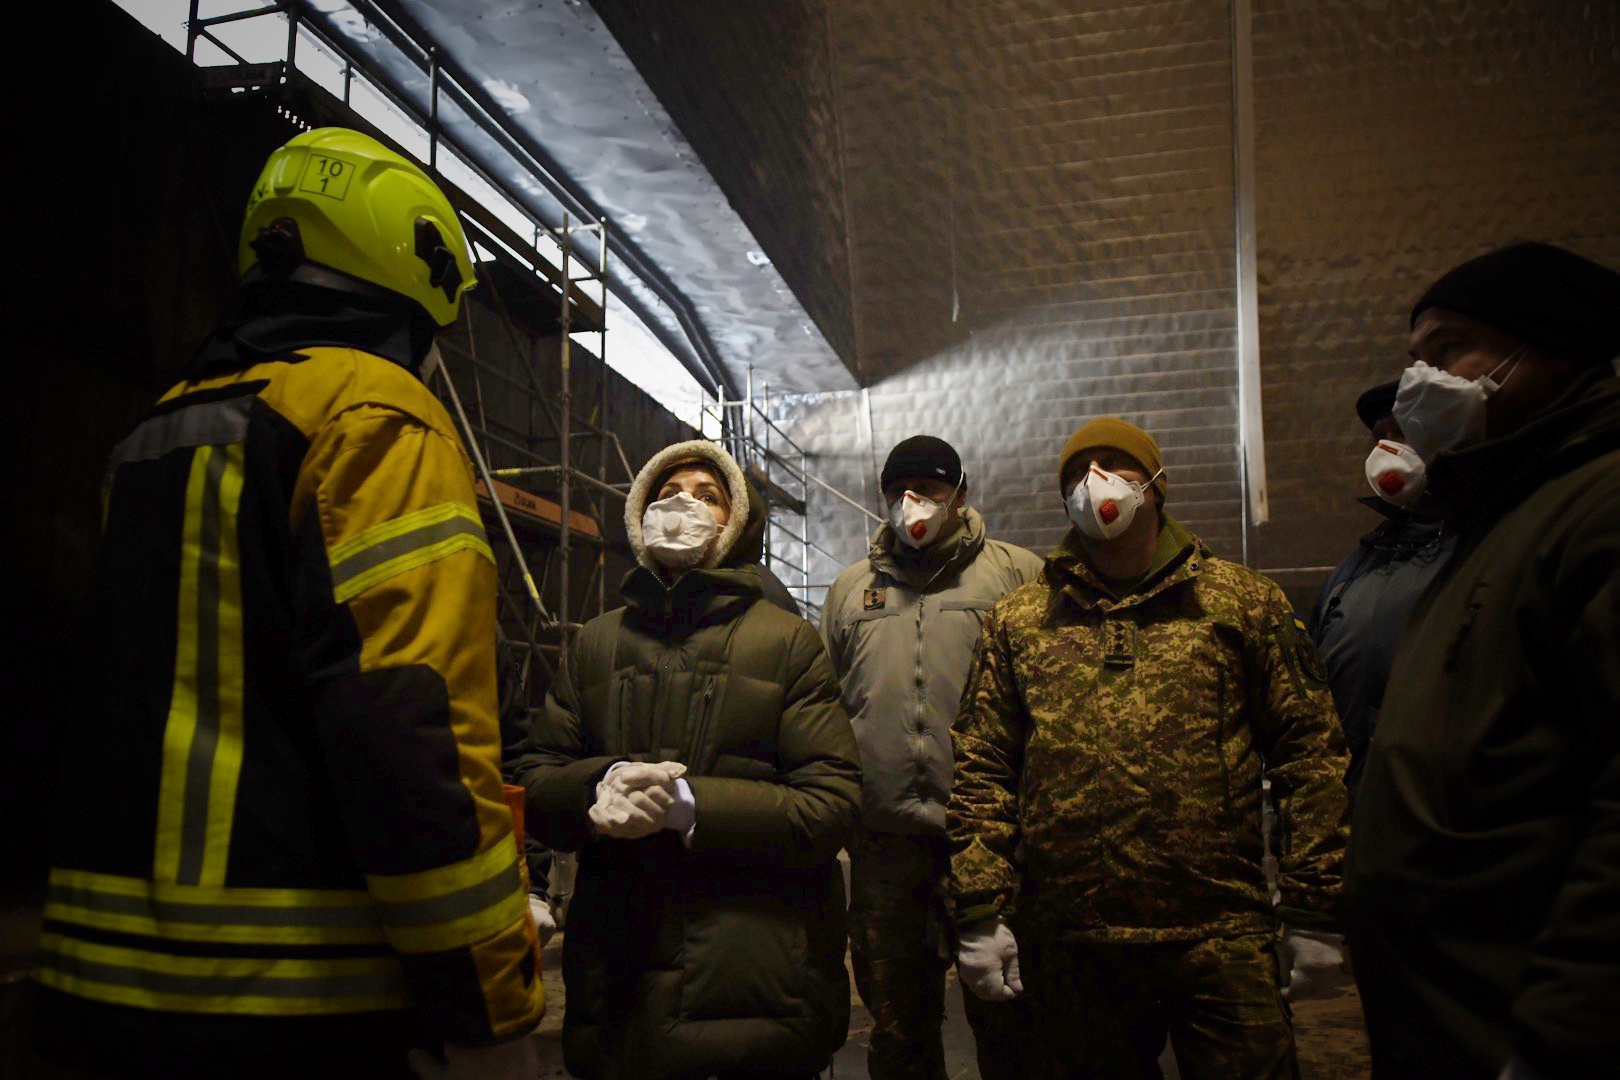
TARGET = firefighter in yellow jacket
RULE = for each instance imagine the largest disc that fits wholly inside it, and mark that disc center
(282, 846)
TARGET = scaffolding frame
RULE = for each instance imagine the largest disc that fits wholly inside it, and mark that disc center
(784, 479)
(745, 425)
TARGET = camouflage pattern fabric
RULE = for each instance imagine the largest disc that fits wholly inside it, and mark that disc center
(1110, 749)
(900, 948)
(1104, 1010)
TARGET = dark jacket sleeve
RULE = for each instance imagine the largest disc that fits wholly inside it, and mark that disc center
(559, 766)
(1297, 732)
(802, 818)
(1564, 1011)
(982, 817)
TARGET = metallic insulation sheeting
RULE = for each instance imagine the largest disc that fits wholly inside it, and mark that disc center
(1039, 203)
(561, 80)
(1009, 216)
(1395, 141)
(1040, 211)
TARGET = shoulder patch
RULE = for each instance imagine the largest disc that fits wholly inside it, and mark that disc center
(1302, 654)
(874, 599)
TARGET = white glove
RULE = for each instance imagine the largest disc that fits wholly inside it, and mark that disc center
(1315, 963)
(514, 1059)
(987, 960)
(540, 912)
(634, 800)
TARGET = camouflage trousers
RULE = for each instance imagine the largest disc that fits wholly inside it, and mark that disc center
(1104, 1010)
(901, 948)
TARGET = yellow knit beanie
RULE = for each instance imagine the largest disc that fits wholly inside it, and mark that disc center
(1119, 435)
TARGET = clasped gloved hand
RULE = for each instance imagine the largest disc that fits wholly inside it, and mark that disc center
(514, 1059)
(987, 960)
(1315, 963)
(636, 799)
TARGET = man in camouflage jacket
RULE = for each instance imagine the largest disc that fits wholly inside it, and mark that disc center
(1105, 821)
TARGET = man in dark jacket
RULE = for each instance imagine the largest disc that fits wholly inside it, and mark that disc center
(695, 753)
(1484, 875)
(1367, 599)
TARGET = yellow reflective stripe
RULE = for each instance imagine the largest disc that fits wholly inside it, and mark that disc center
(182, 720)
(425, 884)
(227, 764)
(234, 895)
(453, 905)
(402, 544)
(469, 930)
(203, 913)
(225, 967)
(217, 985)
(202, 740)
(235, 935)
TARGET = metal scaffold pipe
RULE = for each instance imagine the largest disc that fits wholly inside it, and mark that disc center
(564, 438)
(622, 491)
(814, 479)
(489, 484)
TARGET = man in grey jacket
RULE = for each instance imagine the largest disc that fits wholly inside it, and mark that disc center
(901, 627)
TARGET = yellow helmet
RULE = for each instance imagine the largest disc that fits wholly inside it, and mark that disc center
(344, 201)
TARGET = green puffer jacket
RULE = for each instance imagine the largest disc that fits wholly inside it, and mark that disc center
(685, 962)
(1110, 749)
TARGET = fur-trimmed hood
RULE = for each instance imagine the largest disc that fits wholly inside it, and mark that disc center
(730, 543)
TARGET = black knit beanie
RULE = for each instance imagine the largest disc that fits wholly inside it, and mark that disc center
(922, 455)
(1552, 300)
(1375, 404)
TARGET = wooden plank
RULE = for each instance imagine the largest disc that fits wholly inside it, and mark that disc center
(534, 509)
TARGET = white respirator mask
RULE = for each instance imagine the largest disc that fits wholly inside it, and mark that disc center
(1104, 504)
(917, 519)
(1439, 411)
(1396, 473)
(678, 531)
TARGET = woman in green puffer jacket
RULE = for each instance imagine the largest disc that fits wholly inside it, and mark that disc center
(695, 753)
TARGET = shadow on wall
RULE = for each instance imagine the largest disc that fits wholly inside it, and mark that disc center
(138, 187)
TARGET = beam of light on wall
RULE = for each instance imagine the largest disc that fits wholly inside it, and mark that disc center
(1251, 426)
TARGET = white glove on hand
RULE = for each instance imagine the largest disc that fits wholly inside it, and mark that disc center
(633, 799)
(511, 1060)
(1315, 963)
(987, 960)
(540, 912)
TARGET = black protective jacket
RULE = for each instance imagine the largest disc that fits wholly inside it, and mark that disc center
(1484, 871)
(1359, 616)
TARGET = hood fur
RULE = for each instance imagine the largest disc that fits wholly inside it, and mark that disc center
(642, 492)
